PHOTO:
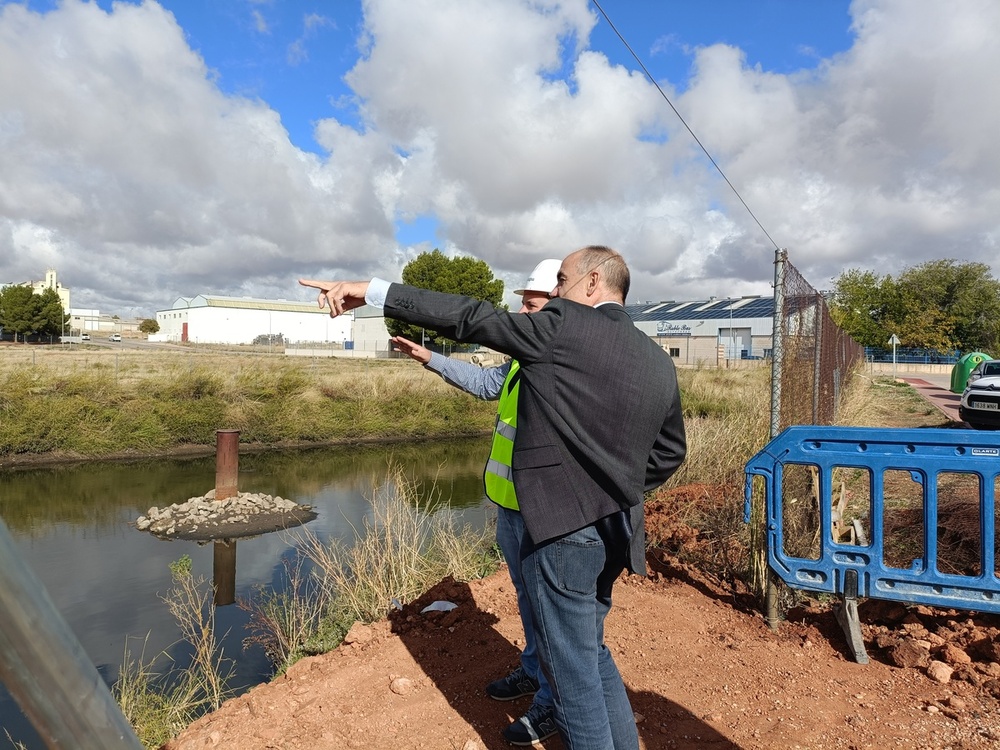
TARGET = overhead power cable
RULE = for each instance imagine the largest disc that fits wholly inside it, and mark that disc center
(684, 123)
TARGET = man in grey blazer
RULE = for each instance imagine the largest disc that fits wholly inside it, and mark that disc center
(599, 424)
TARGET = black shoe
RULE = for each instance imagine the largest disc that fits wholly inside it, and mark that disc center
(537, 724)
(514, 685)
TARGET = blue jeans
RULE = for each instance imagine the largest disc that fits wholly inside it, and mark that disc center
(510, 530)
(568, 582)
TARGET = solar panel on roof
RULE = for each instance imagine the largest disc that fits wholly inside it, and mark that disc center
(749, 307)
(711, 303)
(654, 307)
(742, 302)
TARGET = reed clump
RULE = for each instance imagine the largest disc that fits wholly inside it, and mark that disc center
(159, 704)
(401, 551)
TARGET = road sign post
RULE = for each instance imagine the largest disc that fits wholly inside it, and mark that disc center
(894, 340)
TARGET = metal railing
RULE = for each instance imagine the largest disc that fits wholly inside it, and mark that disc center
(45, 668)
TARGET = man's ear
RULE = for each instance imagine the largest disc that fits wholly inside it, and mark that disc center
(593, 281)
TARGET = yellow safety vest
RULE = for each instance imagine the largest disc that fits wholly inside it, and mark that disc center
(499, 477)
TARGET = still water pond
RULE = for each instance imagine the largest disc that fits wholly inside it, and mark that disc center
(72, 524)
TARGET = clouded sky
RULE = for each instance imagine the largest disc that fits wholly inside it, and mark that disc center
(150, 151)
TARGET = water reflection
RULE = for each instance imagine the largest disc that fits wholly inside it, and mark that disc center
(72, 526)
(224, 572)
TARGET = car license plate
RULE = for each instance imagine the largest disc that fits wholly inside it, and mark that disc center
(984, 405)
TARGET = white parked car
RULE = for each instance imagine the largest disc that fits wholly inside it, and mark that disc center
(84, 337)
(115, 337)
(980, 405)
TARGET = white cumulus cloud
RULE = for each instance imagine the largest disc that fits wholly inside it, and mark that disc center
(127, 168)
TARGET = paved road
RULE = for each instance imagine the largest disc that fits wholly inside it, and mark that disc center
(936, 389)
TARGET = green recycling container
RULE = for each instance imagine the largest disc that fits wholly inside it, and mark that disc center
(965, 365)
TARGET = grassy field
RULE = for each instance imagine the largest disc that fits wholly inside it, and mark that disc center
(97, 402)
(100, 402)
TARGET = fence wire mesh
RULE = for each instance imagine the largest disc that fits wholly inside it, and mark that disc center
(815, 356)
(812, 358)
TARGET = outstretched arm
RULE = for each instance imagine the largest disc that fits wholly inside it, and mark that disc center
(524, 337)
(481, 382)
(411, 349)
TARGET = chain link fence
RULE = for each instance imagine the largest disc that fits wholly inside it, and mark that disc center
(812, 359)
(812, 355)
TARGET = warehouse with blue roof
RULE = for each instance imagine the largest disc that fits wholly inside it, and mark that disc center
(711, 330)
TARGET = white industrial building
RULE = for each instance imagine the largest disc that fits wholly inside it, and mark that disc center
(695, 332)
(707, 331)
(212, 319)
(692, 332)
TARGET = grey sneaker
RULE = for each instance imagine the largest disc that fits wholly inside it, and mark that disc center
(538, 724)
(514, 685)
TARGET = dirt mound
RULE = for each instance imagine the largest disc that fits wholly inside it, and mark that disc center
(703, 671)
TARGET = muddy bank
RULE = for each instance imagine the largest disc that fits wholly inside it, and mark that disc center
(31, 460)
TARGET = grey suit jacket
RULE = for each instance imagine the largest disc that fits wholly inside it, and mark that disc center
(599, 414)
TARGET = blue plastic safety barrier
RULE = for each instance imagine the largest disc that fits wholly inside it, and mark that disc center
(925, 454)
(859, 569)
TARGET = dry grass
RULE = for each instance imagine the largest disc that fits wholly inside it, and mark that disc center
(706, 528)
(294, 622)
(883, 402)
(97, 403)
(158, 705)
(726, 417)
(401, 551)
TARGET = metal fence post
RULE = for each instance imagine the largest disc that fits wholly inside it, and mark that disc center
(778, 339)
(45, 668)
(818, 319)
(777, 363)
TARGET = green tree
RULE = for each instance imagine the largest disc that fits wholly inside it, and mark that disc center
(460, 275)
(865, 305)
(962, 299)
(19, 310)
(149, 325)
(52, 317)
(941, 304)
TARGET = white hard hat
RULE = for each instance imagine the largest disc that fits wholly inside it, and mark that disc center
(544, 278)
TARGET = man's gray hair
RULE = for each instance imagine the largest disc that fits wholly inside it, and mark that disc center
(614, 271)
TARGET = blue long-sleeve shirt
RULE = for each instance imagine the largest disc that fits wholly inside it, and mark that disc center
(481, 382)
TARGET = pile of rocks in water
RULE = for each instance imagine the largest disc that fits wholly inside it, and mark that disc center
(205, 518)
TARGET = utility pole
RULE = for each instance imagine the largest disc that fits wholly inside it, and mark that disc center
(732, 334)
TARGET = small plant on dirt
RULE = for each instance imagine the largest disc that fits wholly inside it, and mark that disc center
(158, 705)
(698, 514)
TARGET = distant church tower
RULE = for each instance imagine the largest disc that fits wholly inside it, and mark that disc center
(51, 282)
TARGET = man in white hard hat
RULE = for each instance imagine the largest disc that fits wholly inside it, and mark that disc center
(493, 383)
